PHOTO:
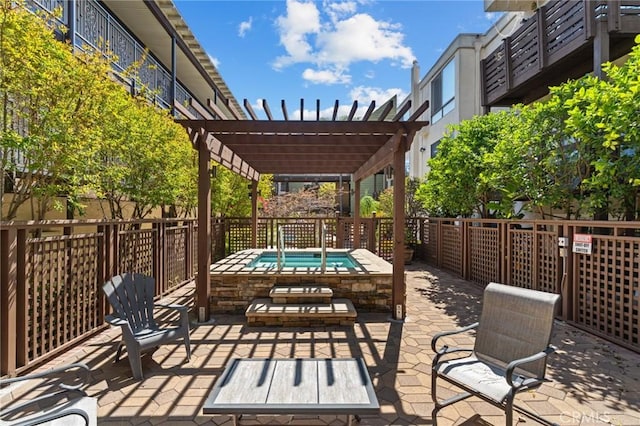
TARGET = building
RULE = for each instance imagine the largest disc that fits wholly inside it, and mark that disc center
(534, 45)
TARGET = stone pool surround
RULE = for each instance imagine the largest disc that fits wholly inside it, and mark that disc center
(234, 286)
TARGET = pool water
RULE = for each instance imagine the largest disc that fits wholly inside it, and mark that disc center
(303, 260)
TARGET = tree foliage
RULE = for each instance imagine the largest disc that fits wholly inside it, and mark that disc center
(457, 183)
(231, 193)
(68, 128)
(317, 201)
(51, 112)
(574, 153)
(145, 158)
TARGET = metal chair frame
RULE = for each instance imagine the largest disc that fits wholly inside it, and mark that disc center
(521, 372)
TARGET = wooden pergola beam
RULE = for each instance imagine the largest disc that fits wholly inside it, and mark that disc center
(279, 127)
(274, 142)
(216, 149)
(381, 158)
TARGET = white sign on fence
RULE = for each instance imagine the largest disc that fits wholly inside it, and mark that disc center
(582, 243)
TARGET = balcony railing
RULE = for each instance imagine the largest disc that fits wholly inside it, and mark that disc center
(97, 29)
(556, 31)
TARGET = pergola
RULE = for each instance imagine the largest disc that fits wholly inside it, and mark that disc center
(252, 147)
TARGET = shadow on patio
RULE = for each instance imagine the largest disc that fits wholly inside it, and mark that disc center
(594, 381)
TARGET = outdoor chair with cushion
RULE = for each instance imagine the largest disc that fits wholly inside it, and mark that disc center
(131, 297)
(58, 398)
(509, 354)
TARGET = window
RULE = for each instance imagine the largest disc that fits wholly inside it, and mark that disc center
(434, 148)
(443, 92)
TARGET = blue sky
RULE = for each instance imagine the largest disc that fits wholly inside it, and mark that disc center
(331, 49)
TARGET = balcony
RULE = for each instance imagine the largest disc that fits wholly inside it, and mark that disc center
(554, 45)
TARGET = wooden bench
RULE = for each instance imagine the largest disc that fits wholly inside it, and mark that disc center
(293, 386)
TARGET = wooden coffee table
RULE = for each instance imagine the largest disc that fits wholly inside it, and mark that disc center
(293, 386)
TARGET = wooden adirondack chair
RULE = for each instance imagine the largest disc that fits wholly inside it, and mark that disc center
(131, 297)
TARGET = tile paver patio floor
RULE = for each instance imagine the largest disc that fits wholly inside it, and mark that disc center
(594, 382)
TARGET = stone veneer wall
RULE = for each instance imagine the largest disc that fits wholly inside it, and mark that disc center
(367, 292)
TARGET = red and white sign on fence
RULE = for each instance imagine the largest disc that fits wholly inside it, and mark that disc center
(582, 243)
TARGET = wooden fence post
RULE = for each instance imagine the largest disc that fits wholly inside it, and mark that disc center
(188, 254)
(466, 252)
(12, 300)
(339, 232)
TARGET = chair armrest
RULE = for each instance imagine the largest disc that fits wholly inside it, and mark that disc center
(531, 358)
(445, 348)
(79, 366)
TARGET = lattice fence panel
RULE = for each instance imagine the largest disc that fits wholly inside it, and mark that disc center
(548, 264)
(452, 248)
(385, 239)
(347, 232)
(238, 234)
(483, 254)
(300, 235)
(136, 251)
(364, 232)
(262, 234)
(176, 257)
(64, 299)
(609, 288)
(521, 264)
(430, 241)
(331, 233)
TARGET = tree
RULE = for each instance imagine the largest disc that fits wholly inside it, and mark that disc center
(603, 117)
(51, 108)
(144, 158)
(305, 202)
(457, 182)
(536, 161)
(231, 193)
(368, 205)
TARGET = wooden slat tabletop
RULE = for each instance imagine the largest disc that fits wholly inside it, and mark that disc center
(293, 386)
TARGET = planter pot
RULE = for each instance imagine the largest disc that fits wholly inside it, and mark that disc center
(408, 255)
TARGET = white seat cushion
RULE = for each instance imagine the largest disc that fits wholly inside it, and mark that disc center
(484, 378)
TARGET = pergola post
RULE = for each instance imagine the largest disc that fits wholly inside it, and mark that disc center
(356, 214)
(254, 214)
(398, 294)
(203, 289)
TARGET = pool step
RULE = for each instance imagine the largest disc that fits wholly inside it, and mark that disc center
(266, 312)
(301, 294)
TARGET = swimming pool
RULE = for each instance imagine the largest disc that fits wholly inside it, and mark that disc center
(303, 260)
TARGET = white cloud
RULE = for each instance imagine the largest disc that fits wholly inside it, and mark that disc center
(371, 74)
(336, 10)
(326, 76)
(342, 38)
(244, 27)
(215, 61)
(369, 40)
(363, 94)
(366, 94)
(302, 18)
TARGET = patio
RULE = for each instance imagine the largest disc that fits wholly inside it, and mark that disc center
(594, 382)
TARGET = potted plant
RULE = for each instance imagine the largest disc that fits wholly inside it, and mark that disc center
(409, 245)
